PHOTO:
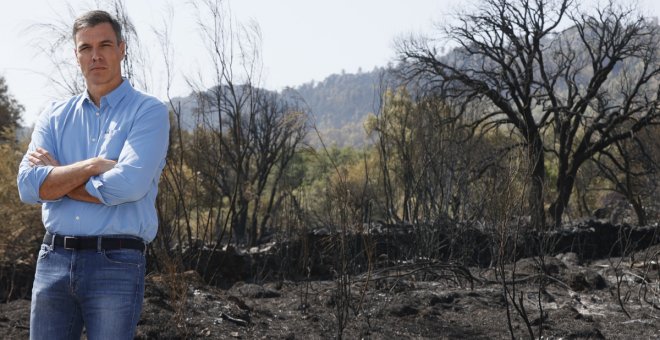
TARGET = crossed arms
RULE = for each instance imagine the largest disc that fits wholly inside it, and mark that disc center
(129, 178)
(68, 180)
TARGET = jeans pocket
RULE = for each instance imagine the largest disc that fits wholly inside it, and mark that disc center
(43, 252)
(129, 257)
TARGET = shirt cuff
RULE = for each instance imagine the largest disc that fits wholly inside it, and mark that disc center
(42, 172)
(93, 188)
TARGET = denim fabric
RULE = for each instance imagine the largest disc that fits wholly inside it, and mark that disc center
(100, 290)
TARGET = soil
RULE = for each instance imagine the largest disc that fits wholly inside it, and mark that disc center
(613, 298)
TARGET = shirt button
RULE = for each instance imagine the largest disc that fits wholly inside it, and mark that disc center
(97, 113)
(93, 139)
(77, 218)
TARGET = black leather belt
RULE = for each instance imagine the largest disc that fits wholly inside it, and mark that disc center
(92, 242)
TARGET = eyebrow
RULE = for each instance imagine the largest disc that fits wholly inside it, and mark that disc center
(87, 44)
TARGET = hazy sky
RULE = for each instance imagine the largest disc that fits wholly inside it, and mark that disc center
(302, 40)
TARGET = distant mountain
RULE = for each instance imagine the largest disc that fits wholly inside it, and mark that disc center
(338, 106)
(340, 103)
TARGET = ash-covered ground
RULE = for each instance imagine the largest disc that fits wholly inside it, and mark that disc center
(605, 299)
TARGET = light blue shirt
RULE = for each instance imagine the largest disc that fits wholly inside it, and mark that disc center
(129, 127)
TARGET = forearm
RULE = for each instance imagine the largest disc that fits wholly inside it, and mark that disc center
(80, 194)
(64, 179)
(139, 163)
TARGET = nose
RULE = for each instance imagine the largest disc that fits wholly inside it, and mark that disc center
(95, 55)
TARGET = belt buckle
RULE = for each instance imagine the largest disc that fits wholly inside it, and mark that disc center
(66, 240)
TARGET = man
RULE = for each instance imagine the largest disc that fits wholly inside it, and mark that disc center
(94, 163)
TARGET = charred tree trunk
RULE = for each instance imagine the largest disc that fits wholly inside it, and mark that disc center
(537, 172)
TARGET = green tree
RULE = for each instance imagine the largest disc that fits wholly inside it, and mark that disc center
(10, 110)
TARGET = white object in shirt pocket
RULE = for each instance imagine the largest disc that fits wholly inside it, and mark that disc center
(112, 144)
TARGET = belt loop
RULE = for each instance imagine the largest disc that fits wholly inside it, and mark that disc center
(144, 251)
(98, 244)
(52, 241)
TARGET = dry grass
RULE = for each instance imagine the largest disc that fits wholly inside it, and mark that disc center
(20, 230)
(21, 224)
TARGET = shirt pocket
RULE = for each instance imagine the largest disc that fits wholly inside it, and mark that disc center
(111, 144)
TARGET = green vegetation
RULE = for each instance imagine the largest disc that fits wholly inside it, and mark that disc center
(21, 230)
(10, 111)
(462, 144)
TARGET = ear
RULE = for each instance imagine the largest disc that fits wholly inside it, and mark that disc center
(122, 47)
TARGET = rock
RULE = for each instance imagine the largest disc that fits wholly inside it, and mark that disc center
(236, 320)
(595, 280)
(274, 285)
(530, 266)
(239, 303)
(429, 312)
(569, 259)
(585, 280)
(401, 310)
(593, 333)
(255, 291)
(443, 298)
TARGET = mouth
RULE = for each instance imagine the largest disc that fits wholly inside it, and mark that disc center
(97, 68)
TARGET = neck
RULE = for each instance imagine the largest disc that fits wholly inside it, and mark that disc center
(98, 91)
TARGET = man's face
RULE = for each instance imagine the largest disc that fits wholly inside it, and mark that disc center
(99, 55)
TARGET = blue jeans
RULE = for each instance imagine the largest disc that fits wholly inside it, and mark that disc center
(102, 290)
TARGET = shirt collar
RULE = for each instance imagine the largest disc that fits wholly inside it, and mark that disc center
(114, 97)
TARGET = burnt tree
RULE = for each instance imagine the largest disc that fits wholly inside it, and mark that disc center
(567, 95)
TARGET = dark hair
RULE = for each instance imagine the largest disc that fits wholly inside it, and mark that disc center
(93, 18)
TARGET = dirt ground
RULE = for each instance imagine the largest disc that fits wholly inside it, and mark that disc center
(605, 299)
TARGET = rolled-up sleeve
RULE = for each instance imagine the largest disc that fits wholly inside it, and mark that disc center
(140, 162)
(30, 178)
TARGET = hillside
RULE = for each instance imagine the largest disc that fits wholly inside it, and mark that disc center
(340, 103)
(338, 106)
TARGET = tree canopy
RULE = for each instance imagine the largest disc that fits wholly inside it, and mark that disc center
(566, 95)
(10, 109)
